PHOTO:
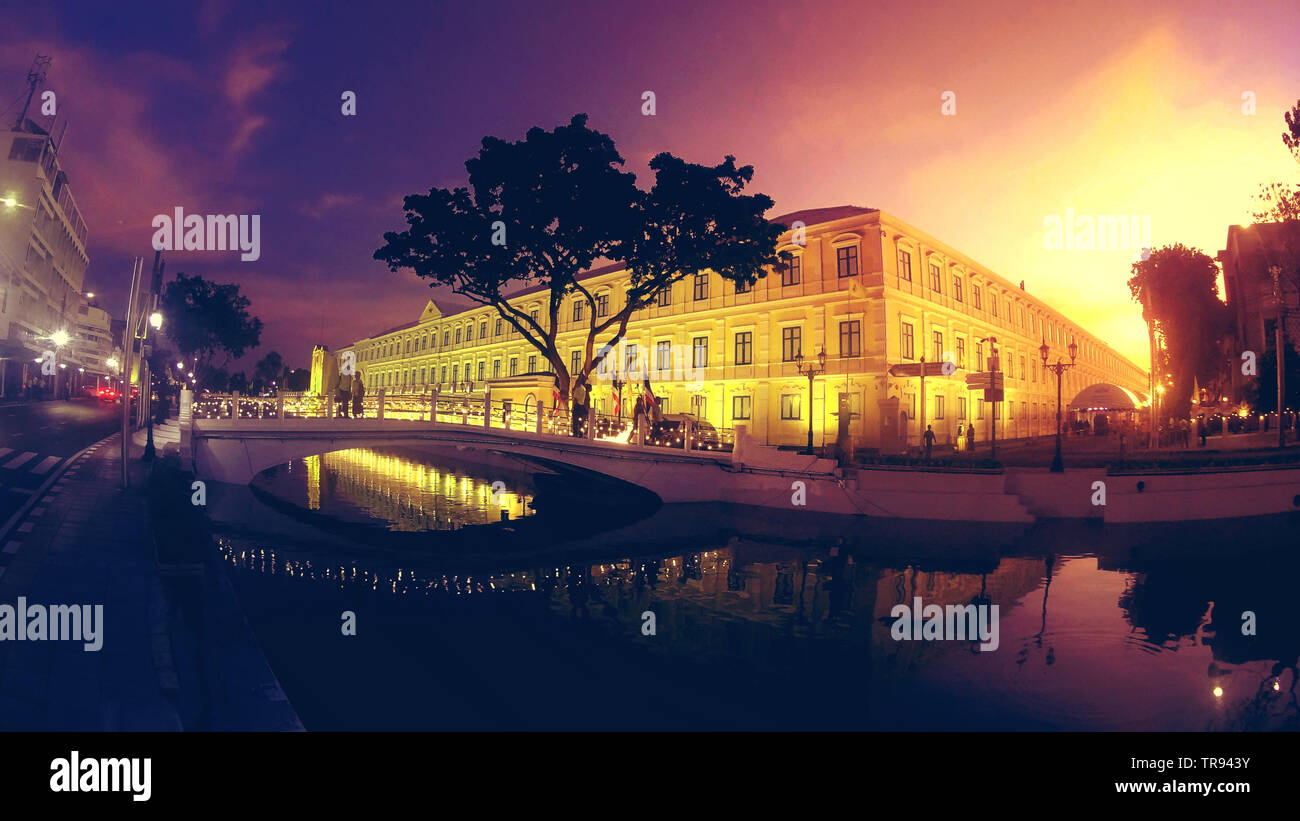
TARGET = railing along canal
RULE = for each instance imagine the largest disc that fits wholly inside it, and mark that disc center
(677, 431)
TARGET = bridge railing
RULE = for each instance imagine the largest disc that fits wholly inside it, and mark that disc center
(468, 409)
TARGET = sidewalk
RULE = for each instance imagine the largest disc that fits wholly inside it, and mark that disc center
(176, 654)
(85, 542)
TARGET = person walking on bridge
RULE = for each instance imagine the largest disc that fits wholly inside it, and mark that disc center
(358, 394)
(343, 395)
(579, 409)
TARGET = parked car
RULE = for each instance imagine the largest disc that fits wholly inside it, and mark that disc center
(669, 431)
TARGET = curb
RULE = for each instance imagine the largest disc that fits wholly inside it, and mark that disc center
(26, 507)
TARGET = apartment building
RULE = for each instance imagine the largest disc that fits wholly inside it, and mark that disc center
(43, 260)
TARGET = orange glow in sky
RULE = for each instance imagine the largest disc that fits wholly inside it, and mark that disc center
(1142, 120)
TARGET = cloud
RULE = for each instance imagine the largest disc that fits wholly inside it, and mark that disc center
(328, 202)
(255, 64)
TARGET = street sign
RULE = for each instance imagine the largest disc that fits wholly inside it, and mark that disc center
(993, 395)
(915, 369)
(989, 380)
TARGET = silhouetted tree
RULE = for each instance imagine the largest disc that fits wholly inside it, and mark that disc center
(1291, 137)
(297, 379)
(215, 380)
(543, 210)
(1180, 284)
(267, 370)
(205, 319)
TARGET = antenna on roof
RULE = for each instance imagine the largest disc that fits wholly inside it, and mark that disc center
(35, 76)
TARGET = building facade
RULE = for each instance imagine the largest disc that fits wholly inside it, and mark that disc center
(865, 288)
(1253, 298)
(43, 262)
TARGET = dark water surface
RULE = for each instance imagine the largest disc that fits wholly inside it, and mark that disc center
(770, 631)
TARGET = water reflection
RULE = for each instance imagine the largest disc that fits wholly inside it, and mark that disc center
(1082, 645)
(752, 632)
(398, 490)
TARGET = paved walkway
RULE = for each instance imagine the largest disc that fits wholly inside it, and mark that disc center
(85, 542)
(175, 654)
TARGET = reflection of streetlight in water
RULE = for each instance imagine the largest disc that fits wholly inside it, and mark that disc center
(1050, 563)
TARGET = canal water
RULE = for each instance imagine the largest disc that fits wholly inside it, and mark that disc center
(468, 619)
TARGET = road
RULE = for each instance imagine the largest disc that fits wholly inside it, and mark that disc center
(36, 438)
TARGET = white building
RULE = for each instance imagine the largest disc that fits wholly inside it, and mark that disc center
(42, 263)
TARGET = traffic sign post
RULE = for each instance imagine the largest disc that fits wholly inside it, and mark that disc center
(992, 384)
(921, 370)
(993, 395)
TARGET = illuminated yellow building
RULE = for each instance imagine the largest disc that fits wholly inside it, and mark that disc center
(865, 288)
(324, 371)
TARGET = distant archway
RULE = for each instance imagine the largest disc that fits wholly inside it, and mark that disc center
(1102, 408)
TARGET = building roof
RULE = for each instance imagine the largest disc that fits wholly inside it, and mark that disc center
(816, 216)
(809, 216)
(1105, 396)
(1254, 240)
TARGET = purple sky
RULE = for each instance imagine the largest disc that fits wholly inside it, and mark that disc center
(235, 108)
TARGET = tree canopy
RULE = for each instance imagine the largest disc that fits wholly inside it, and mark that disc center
(205, 319)
(1177, 288)
(541, 211)
(268, 369)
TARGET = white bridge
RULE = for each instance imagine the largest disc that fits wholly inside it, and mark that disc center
(242, 437)
(232, 439)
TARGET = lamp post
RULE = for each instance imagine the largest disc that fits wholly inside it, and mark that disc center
(59, 338)
(994, 364)
(811, 372)
(1059, 368)
(146, 392)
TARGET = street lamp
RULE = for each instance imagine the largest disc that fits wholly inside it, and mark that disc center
(59, 338)
(1059, 368)
(155, 319)
(811, 372)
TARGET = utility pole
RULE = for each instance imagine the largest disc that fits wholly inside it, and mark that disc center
(128, 349)
(35, 76)
(146, 395)
(1278, 340)
(1151, 379)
